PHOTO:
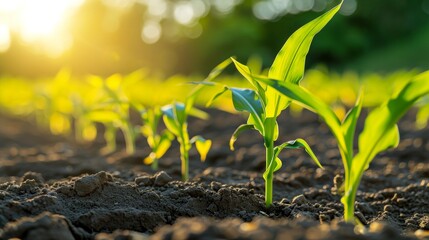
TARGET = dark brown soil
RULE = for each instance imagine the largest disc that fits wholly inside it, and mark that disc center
(51, 188)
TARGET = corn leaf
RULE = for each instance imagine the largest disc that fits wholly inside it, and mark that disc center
(149, 159)
(271, 130)
(163, 144)
(171, 124)
(349, 127)
(380, 130)
(198, 113)
(297, 143)
(422, 117)
(289, 63)
(303, 97)
(202, 145)
(247, 100)
(246, 73)
(237, 132)
(216, 96)
(175, 111)
(212, 75)
(274, 165)
(103, 116)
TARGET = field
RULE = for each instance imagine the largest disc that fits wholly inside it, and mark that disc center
(244, 152)
(53, 185)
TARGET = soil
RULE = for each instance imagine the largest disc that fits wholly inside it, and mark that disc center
(53, 188)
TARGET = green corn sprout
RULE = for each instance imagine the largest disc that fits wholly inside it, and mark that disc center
(175, 118)
(265, 104)
(158, 142)
(113, 111)
(380, 130)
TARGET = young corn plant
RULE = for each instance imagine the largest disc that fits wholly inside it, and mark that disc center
(112, 111)
(380, 130)
(264, 104)
(175, 117)
(158, 142)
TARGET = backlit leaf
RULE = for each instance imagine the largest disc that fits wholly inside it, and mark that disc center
(380, 130)
(237, 132)
(203, 146)
(297, 143)
(349, 127)
(247, 100)
(289, 63)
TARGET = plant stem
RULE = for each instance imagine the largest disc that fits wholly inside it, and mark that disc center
(110, 137)
(155, 164)
(269, 190)
(350, 197)
(269, 176)
(184, 157)
(129, 138)
(348, 201)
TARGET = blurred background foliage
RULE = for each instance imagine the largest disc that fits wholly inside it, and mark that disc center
(167, 37)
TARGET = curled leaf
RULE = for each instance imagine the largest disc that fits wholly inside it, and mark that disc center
(203, 146)
(237, 132)
(297, 143)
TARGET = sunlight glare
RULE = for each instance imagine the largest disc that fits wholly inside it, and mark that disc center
(38, 21)
(4, 38)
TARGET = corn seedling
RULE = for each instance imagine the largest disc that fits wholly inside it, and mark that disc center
(175, 118)
(265, 104)
(113, 111)
(159, 143)
(380, 130)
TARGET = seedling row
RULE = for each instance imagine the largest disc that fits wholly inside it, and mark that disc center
(75, 108)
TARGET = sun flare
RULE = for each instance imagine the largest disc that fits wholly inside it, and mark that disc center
(39, 22)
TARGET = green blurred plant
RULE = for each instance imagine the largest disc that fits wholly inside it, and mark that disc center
(175, 117)
(158, 142)
(113, 111)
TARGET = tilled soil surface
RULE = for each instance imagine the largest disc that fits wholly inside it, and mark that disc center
(51, 188)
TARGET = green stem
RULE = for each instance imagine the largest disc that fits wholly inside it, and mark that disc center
(184, 157)
(110, 137)
(348, 201)
(155, 164)
(78, 131)
(129, 139)
(269, 176)
(350, 196)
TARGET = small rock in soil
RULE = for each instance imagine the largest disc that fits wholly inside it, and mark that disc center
(384, 229)
(361, 218)
(162, 178)
(88, 184)
(29, 186)
(284, 201)
(401, 201)
(324, 218)
(424, 223)
(365, 208)
(46, 226)
(388, 208)
(338, 181)
(300, 199)
(34, 176)
(215, 186)
(144, 181)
